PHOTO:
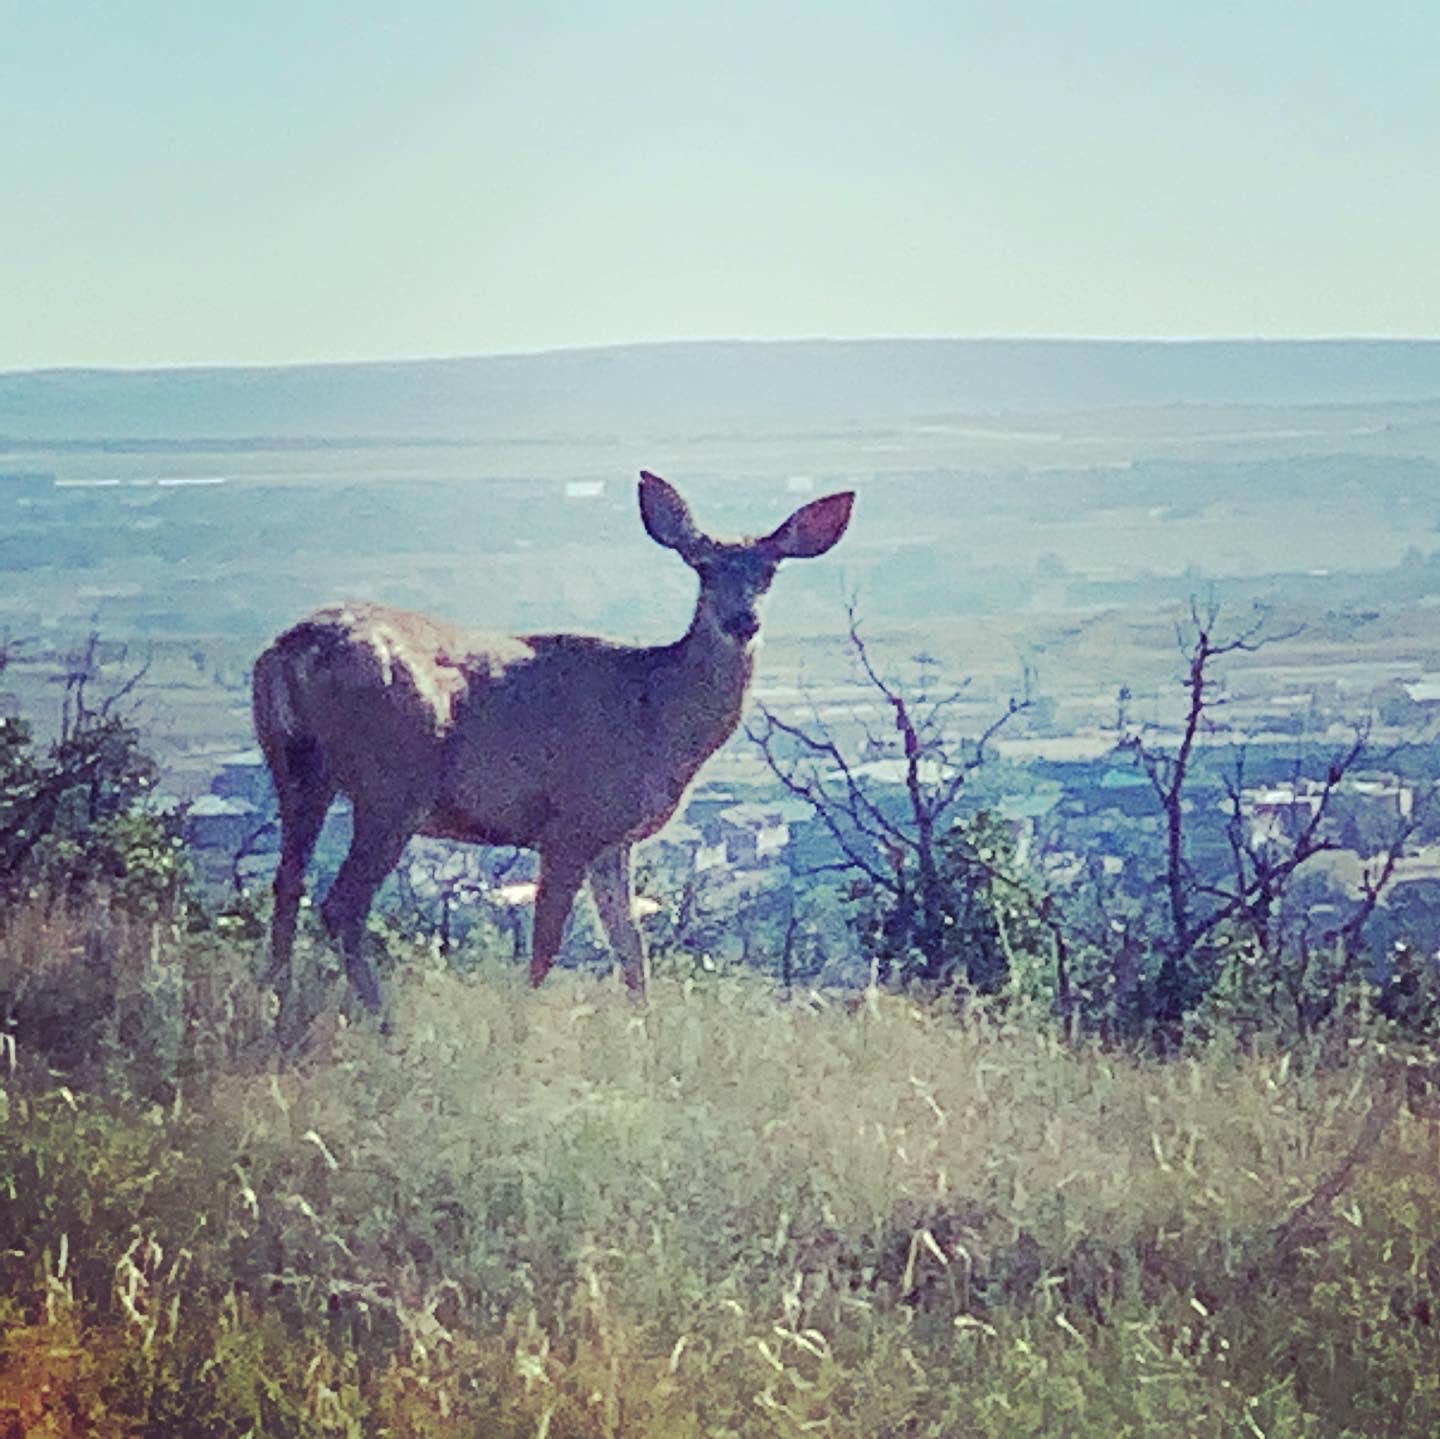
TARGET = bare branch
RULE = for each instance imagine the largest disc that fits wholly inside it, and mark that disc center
(863, 811)
(250, 845)
(828, 809)
(1013, 708)
(125, 689)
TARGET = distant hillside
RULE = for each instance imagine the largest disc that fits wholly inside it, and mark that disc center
(682, 386)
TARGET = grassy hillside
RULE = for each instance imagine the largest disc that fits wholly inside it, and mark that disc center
(550, 1213)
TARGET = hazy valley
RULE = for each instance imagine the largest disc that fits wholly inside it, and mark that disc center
(1005, 518)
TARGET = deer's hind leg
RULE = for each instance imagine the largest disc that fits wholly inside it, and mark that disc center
(380, 835)
(304, 790)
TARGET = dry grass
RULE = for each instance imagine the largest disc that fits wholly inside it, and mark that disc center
(549, 1213)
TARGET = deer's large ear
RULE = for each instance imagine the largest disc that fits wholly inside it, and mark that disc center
(666, 515)
(812, 529)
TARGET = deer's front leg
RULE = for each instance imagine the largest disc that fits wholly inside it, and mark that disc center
(613, 888)
(560, 881)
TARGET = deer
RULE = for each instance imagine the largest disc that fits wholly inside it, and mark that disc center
(568, 744)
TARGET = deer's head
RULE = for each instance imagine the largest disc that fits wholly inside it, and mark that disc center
(735, 574)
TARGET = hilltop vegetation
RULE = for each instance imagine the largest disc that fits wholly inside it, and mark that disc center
(733, 1213)
(743, 1210)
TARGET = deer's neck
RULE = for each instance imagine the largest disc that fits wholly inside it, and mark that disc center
(709, 675)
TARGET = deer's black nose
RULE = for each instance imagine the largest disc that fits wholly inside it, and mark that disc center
(742, 627)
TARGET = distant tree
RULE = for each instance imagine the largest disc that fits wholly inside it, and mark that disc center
(907, 862)
(987, 911)
(1221, 917)
(1255, 907)
(73, 816)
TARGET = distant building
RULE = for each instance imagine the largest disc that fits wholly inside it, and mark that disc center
(1280, 814)
(1370, 813)
(245, 776)
(1425, 692)
(234, 830)
(754, 836)
(1364, 815)
(678, 846)
(218, 822)
(706, 802)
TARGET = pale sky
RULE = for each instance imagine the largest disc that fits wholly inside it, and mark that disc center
(272, 182)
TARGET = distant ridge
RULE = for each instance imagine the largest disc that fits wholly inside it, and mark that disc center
(658, 387)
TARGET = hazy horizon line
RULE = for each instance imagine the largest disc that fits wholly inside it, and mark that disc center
(714, 341)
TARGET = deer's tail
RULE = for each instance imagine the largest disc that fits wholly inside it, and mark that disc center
(291, 747)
